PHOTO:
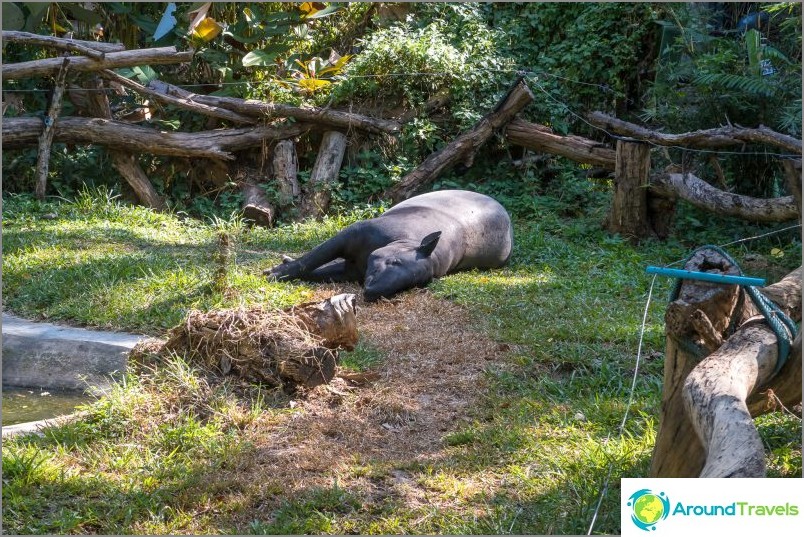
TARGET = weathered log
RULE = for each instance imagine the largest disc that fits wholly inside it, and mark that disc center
(256, 206)
(701, 194)
(702, 139)
(23, 131)
(212, 111)
(324, 174)
(464, 146)
(125, 163)
(285, 168)
(628, 214)
(88, 48)
(677, 448)
(46, 139)
(266, 110)
(792, 173)
(542, 139)
(112, 60)
(27, 38)
(717, 390)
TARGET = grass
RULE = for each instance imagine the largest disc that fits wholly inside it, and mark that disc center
(171, 450)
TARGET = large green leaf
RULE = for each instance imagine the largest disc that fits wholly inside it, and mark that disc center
(264, 57)
(13, 18)
(80, 14)
(36, 12)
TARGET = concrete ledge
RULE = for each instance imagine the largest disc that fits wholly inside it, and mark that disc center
(45, 355)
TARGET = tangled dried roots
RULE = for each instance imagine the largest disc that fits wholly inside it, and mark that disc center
(295, 347)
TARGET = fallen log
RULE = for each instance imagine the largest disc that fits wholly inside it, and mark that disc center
(93, 49)
(542, 139)
(266, 110)
(212, 111)
(46, 138)
(464, 146)
(112, 60)
(698, 322)
(701, 194)
(717, 390)
(703, 139)
(125, 163)
(325, 174)
(18, 132)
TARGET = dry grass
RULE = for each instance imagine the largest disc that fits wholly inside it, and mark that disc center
(432, 374)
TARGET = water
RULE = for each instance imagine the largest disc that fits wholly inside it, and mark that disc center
(21, 405)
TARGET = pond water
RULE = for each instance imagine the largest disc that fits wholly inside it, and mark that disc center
(21, 405)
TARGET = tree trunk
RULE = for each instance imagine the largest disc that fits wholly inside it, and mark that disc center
(542, 139)
(701, 194)
(464, 146)
(695, 321)
(628, 214)
(717, 391)
(46, 139)
(325, 174)
(286, 167)
(23, 131)
(112, 60)
(266, 110)
(703, 139)
(792, 173)
(125, 163)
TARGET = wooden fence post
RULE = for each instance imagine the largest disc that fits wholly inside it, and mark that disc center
(46, 138)
(325, 173)
(628, 214)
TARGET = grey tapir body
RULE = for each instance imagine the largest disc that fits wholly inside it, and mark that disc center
(411, 243)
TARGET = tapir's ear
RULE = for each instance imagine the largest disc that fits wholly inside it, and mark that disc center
(429, 243)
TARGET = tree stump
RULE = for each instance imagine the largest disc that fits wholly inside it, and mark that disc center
(325, 174)
(286, 168)
(628, 215)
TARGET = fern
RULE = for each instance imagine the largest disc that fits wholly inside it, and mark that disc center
(750, 85)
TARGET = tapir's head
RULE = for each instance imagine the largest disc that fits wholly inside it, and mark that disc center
(398, 266)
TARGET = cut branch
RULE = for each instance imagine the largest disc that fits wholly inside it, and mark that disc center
(542, 139)
(703, 195)
(261, 109)
(212, 144)
(93, 49)
(204, 109)
(709, 138)
(46, 139)
(113, 60)
(464, 146)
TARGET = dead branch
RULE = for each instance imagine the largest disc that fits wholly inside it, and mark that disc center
(93, 49)
(544, 140)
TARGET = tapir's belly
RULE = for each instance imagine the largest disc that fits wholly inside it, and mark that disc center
(475, 229)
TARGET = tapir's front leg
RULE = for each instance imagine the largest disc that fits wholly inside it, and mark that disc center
(300, 268)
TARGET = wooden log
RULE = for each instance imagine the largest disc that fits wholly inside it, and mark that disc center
(285, 168)
(125, 163)
(792, 173)
(325, 174)
(84, 47)
(438, 101)
(628, 214)
(112, 60)
(53, 42)
(464, 146)
(701, 194)
(266, 110)
(212, 111)
(256, 206)
(677, 449)
(46, 138)
(703, 139)
(717, 391)
(18, 132)
(542, 139)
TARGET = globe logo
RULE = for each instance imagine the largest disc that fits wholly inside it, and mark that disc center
(648, 508)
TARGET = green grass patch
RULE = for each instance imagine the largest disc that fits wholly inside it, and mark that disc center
(160, 452)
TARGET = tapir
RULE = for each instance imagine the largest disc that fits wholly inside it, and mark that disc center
(421, 238)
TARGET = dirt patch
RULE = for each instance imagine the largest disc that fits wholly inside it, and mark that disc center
(430, 378)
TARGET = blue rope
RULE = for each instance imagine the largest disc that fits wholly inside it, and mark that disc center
(783, 326)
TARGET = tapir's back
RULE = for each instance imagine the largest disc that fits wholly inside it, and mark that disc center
(473, 224)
